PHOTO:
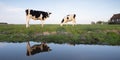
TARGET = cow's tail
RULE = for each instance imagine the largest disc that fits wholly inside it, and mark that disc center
(74, 16)
(62, 21)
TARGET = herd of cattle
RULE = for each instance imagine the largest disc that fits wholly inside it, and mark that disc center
(42, 15)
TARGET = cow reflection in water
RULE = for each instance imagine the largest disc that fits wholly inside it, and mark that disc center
(43, 47)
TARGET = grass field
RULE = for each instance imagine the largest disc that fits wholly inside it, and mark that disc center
(79, 34)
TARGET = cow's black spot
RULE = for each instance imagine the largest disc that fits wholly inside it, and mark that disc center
(67, 17)
(44, 15)
(74, 16)
(26, 12)
(35, 13)
(62, 21)
(38, 13)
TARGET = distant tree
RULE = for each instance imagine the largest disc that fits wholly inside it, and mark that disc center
(92, 22)
(3, 23)
(105, 22)
(99, 22)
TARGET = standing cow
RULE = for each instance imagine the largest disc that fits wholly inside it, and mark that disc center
(69, 18)
(36, 15)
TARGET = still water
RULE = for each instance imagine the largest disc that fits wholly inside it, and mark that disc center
(52, 51)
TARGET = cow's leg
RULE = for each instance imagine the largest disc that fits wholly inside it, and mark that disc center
(27, 21)
(65, 21)
(74, 22)
(28, 49)
(61, 24)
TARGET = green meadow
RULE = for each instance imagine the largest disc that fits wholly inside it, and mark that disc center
(78, 34)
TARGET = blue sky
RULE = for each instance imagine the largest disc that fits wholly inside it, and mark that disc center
(13, 11)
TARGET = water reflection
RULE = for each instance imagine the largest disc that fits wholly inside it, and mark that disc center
(21, 51)
(37, 48)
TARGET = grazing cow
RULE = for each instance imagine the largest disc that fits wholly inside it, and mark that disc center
(31, 50)
(36, 15)
(69, 18)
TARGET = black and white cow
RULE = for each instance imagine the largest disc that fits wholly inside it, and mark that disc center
(36, 15)
(69, 18)
(37, 48)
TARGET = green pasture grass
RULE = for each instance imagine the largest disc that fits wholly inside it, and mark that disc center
(86, 34)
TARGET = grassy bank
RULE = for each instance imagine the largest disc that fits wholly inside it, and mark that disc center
(86, 34)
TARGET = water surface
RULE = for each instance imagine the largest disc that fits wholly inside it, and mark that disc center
(52, 51)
